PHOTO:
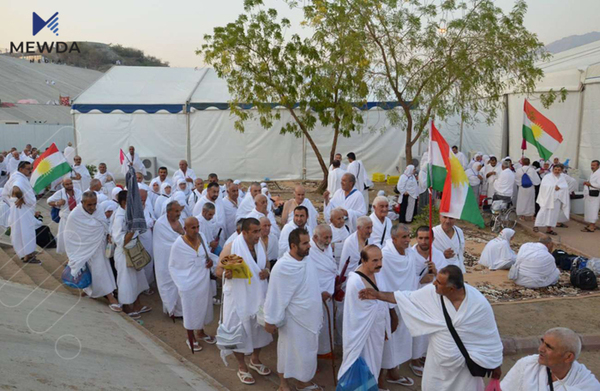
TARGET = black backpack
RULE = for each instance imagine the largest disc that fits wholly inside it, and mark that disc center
(584, 279)
(563, 260)
(44, 237)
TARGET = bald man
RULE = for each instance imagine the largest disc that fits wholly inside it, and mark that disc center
(185, 173)
(189, 265)
(132, 159)
(299, 200)
(66, 199)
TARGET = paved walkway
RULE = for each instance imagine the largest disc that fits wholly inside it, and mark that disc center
(60, 341)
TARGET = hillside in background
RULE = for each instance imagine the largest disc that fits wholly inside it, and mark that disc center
(101, 57)
(572, 41)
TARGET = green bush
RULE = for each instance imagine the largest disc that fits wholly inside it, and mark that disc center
(91, 169)
(423, 219)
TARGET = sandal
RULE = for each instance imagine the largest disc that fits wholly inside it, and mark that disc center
(561, 225)
(197, 348)
(134, 315)
(403, 381)
(586, 229)
(259, 368)
(417, 370)
(115, 307)
(245, 377)
(145, 309)
(313, 386)
(551, 233)
(209, 339)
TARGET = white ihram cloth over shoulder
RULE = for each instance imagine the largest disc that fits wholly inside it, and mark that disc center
(270, 215)
(351, 250)
(134, 161)
(84, 182)
(245, 207)
(357, 168)
(552, 201)
(497, 254)
(354, 204)
(194, 197)
(189, 173)
(208, 228)
(338, 237)
(294, 300)
(408, 184)
(312, 213)
(191, 276)
(22, 220)
(129, 281)
(64, 214)
(147, 241)
(398, 273)
(163, 238)
(272, 247)
(218, 219)
(366, 323)
(229, 209)
(528, 375)
(442, 242)
(445, 367)
(241, 300)
(505, 183)
(334, 179)
(327, 270)
(489, 181)
(381, 231)
(535, 267)
(87, 244)
(439, 261)
(526, 196)
(284, 245)
(591, 204)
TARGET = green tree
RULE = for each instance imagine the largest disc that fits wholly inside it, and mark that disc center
(444, 58)
(320, 79)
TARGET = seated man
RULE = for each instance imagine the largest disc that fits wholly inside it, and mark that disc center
(557, 358)
(497, 254)
(535, 266)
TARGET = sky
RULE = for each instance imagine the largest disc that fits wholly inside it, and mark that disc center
(173, 30)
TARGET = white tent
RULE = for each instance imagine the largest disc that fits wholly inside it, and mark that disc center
(176, 113)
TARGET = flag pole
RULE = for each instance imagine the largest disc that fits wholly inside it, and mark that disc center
(430, 184)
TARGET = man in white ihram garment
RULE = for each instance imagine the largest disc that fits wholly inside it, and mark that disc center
(491, 172)
(268, 240)
(464, 162)
(103, 174)
(299, 200)
(66, 199)
(450, 240)
(408, 193)
(230, 207)
(85, 243)
(261, 209)
(80, 175)
(471, 316)
(349, 199)
(357, 168)
(322, 257)
(334, 179)
(196, 193)
(189, 265)
(69, 153)
(552, 199)
(340, 233)
(21, 218)
(242, 300)
(505, 183)
(96, 187)
(299, 220)
(382, 225)
(497, 254)
(338, 157)
(556, 363)
(146, 238)
(213, 196)
(535, 266)
(591, 197)
(132, 159)
(186, 174)
(367, 322)
(526, 195)
(167, 229)
(400, 273)
(294, 307)
(247, 204)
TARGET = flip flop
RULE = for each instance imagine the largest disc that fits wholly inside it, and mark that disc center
(145, 309)
(115, 307)
(313, 386)
(245, 375)
(562, 226)
(209, 339)
(403, 381)
(259, 368)
(586, 229)
(149, 292)
(197, 348)
(551, 233)
(417, 370)
(134, 315)
(32, 261)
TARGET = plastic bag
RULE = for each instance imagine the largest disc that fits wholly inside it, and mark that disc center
(494, 385)
(358, 378)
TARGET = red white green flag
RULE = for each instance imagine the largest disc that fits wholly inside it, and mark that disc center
(447, 175)
(47, 168)
(540, 132)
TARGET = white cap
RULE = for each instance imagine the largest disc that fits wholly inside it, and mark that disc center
(381, 193)
(237, 182)
(263, 184)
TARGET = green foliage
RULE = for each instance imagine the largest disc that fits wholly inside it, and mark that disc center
(92, 169)
(423, 219)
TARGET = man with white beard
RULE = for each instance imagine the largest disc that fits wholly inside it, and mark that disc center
(340, 232)
(86, 244)
(22, 221)
(230, 207)
(526, 195)
(185, 173)
(400, 273)
(294, 307)
(382, 225)
(357, 168)
(146, 239)
(552, 198)
(213, 196)
(347, 198)
(322, 257)
(450, 240)
(247, 204)
(591, 197)
(196, 194)
(189, 265)
(132, 159)
(299, 221)
(299, 200)
(242, 300)
(334, 179)
(430, 311)
(167, 229)
(80, 175)
(66, 199)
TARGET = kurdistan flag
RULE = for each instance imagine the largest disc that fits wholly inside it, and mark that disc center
(47, 168)
(540, 132)
(458, 199)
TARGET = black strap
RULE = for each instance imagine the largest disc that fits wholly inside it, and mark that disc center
(368, 280)
(384, 231)
(455, 336)
(549, 372)
(459, 241)
(347, 229)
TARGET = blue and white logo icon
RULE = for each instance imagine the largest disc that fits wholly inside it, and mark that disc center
(39, 23)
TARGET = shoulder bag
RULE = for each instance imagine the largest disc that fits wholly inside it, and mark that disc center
(137, 256)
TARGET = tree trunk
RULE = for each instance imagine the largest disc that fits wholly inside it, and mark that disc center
(408, 143)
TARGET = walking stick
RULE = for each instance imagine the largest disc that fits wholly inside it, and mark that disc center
(331, 344)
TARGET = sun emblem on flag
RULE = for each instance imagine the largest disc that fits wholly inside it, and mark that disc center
(458, 174)
(537, 130)
(44, 167)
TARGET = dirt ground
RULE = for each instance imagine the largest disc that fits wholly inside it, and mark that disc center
(516, 319)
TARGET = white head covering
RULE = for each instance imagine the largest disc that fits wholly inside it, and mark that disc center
(185, 191)
(237, 182)
(163, 187)
(108, 205)
(263, 185)
(381, 193)
(485, 159)
(265, 191)
(115, 193)
(410, 170)
(507, 234)
(476, 167)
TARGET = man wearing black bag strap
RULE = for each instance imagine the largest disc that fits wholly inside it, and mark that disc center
(448, 367)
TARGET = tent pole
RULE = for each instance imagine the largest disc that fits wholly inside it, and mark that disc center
(75, 135)
(188, 135)
(579, 124)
